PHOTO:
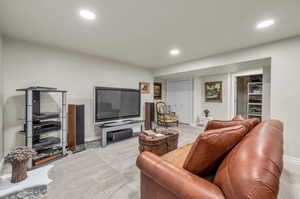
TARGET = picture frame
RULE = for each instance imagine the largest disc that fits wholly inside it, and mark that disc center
(213, 91)
(157, 91)
(145, 87)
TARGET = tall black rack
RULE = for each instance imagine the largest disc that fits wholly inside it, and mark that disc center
(34, 116)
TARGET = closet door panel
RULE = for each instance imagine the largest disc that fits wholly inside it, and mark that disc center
(179, 96)
(172, 95)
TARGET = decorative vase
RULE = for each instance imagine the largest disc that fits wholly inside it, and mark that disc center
(206, 112)
(19, 171)
(18, 159)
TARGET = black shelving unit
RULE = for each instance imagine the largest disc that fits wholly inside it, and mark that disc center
(37, 123)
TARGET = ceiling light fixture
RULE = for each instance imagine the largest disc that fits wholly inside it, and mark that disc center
(265, 24)
(87, 14)
(174, 52)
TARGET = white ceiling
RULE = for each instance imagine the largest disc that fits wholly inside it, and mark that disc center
(141, 32)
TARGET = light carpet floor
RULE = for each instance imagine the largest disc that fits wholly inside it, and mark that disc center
(102, 173)
(111, 173)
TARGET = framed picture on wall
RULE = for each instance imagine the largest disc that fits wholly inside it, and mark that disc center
(145, 87)
(213, 91)
(157, 90)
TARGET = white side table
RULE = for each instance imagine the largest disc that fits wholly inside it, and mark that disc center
(203, 120)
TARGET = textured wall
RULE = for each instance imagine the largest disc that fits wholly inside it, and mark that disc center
(1, 100)
(285, 90)
(27, 64)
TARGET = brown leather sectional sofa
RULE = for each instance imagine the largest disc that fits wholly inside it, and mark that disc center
(249, 166)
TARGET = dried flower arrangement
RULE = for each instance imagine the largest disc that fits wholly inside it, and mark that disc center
(18, 159)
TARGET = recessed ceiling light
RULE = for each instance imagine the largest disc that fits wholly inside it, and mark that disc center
(174, 52)
(87, 14)
(265, 24)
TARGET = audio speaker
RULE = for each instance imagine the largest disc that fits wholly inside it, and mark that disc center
(149, 115)
(76, 127)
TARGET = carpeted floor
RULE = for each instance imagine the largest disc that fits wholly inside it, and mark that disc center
(102, 173)
(110, 172)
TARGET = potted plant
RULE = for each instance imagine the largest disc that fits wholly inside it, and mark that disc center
(206, 112)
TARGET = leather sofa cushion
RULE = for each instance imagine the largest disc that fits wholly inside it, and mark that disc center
(217, 124)
(210, 147)
(252, 169)
(177, 157)
(162, 180)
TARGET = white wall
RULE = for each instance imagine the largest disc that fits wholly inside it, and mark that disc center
(1, 103)
(27, 64)
(218, 110)
(285, 89)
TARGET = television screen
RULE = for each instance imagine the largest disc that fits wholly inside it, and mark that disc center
(116, 103)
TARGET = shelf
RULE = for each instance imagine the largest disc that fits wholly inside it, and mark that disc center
(47, 159)
(255, 101)
(48, 147)
(47, 130)
(42, 89)
(255, 104)
(254, 83)
(253, 114)
(46, 153)
(37, 123)
(45, 116)
(47, 143)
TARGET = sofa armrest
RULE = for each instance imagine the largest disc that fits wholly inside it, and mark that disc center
(177, 180)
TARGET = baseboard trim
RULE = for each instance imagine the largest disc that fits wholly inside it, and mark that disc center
(196, 125)
(92, 139)
(292, 160)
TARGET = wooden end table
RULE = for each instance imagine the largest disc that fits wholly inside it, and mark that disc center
(159, 145)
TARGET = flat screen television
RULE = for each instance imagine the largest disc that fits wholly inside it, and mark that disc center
(116, 103)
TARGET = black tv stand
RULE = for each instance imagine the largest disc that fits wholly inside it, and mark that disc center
(114, 126)
(120, 123)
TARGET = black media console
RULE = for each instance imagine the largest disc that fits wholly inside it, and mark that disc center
(115, 131)
(119, 134)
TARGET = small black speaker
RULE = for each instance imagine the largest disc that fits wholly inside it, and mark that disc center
(79, 125)
(149, 115)
(152, 114)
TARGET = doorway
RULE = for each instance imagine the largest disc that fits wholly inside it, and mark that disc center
(180, 98)
(248, 98)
